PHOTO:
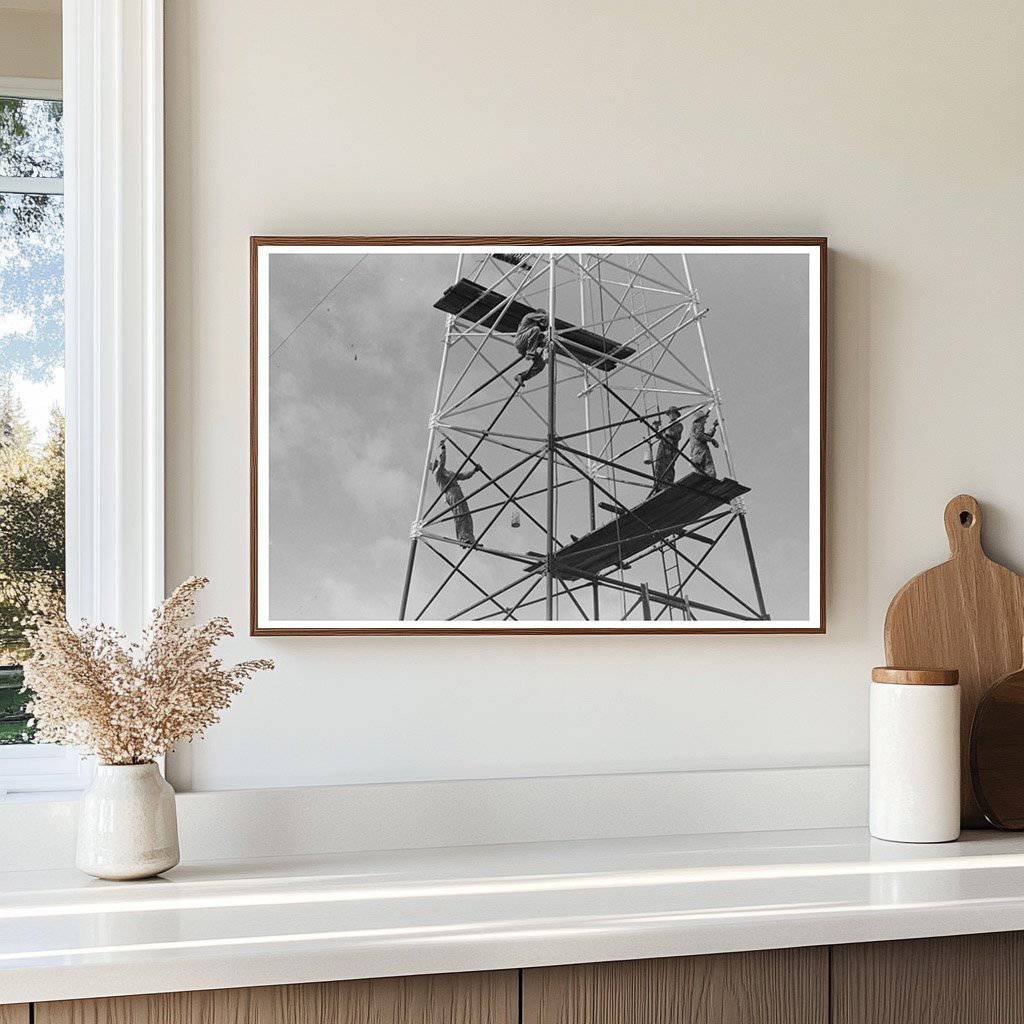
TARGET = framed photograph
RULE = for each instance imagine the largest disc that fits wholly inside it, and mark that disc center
(537, 435)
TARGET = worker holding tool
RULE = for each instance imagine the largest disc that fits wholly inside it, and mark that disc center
(530, 343)
(668, 449)
(448, 482)
(700, 438)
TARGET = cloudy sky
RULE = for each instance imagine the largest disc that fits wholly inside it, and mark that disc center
(352, 381)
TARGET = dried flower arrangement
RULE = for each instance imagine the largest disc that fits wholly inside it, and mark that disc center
(129, 703)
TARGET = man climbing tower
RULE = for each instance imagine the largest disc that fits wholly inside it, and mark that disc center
(668, 449)
(448, 482)
(700, 438)
(530, 342)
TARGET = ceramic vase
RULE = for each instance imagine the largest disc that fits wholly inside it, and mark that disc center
(127, 826)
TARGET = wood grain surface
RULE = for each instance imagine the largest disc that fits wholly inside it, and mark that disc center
(915, 676)
(961, 979)
(779, 986)
(14, 1013)
(476, 998)
(997, 752)
(967, 614)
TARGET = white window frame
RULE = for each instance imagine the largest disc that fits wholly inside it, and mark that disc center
(31, 88)
(114, 329)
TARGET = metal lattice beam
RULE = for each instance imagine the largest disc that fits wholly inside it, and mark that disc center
(591, 461)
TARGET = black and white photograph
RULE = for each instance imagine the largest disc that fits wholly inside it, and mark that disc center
(477, 435)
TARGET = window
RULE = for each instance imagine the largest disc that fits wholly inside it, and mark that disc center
(32, 516)
(112, 307)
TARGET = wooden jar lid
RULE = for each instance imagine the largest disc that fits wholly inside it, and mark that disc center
(916, 676)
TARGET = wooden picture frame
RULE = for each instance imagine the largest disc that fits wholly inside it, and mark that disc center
(583, 352)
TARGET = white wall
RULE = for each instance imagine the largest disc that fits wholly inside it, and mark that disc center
(895, 129)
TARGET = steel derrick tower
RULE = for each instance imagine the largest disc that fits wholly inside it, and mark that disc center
(560, 514)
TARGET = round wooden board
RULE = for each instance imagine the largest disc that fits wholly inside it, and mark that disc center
(997, 753)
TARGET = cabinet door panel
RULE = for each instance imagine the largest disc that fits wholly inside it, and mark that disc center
(14, 1013)
(961, 979)
(779, 986)
(480, 998)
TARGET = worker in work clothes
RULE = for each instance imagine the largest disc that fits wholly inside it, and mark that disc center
(448, 482)
(668, 449)
(700, 438)
(530, 343)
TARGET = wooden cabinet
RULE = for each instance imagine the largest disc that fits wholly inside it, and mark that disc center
(491, 998)
(779, 986)
(963, 979)
(969, 979)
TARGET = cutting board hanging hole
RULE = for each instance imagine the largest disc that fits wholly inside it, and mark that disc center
(963, 525)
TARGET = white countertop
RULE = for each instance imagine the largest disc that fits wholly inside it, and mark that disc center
(282, 920)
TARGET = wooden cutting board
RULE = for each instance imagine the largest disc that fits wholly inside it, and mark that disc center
(967, 614)
(997, 752)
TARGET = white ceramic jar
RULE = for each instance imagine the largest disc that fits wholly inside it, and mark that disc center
(127, 825)
(915, 755)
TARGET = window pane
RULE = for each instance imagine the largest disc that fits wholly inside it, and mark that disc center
(31, 431)
(31, 138)
(14, 727)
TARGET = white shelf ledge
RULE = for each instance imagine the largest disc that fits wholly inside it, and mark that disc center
(353, 915)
